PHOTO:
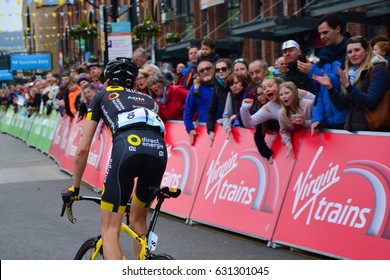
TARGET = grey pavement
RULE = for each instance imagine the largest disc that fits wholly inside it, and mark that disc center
(32, 229)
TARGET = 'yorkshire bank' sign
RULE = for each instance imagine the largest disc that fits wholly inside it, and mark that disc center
(41, 61)
(204, 4)
(5, 75)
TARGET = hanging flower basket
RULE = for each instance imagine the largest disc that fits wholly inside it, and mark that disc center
(172, 37)
(68, 60)
(93, 59)
(147, 29)
(83, 31)
(136, 40)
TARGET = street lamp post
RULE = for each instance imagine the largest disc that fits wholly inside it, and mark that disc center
(29, 34)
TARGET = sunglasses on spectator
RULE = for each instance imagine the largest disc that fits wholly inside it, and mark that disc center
(95, 81)
(239, 60)
(223, 69)
(207, 69)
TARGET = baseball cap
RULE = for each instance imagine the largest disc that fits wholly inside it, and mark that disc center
(290, 44)
(91, 64)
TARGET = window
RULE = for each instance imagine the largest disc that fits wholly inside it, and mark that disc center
(233, 12)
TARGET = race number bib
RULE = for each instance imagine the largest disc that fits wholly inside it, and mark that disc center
(140, 116)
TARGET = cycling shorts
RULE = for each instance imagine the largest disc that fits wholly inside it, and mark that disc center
(136, 153)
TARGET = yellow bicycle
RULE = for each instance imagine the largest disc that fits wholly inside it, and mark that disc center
(92, 249)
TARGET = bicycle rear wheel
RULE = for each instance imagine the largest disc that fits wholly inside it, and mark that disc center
(160, 257)
(87, 249)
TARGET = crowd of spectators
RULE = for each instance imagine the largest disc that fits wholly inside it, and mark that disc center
(333, 91)
(68, 93)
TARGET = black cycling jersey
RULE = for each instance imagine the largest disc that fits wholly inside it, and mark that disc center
(138, 149)
(122, 108)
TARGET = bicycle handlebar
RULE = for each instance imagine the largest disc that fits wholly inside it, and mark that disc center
(68, 205)
(161, 194)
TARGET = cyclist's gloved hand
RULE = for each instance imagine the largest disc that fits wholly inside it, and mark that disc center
(68, 193)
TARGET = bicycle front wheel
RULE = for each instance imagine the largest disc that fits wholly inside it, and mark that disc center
(87, 249)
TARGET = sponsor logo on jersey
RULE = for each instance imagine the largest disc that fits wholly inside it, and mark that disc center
(137, 99)
(113, 96)
(134, 140)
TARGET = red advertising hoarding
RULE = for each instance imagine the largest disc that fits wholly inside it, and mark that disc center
(185, 166)
(338, 199)
(240, 190)
(60, 138)
(98, 157)
(70, 145)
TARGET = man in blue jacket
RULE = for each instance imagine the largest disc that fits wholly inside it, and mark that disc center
(198, 98)
(325, 114)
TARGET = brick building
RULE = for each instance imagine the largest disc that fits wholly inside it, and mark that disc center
(246, 28)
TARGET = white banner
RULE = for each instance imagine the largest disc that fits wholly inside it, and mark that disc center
(215, 269)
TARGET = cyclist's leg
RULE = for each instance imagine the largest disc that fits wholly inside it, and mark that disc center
(138, 216)
(111, 223)
(148, 180)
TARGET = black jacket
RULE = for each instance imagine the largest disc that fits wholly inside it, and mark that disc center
(217, 105)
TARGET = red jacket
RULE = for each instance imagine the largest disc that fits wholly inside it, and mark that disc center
(173, 107)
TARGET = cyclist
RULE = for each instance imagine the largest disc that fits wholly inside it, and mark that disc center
(138, 151)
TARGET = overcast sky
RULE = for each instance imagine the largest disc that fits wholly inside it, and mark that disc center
(9, 21)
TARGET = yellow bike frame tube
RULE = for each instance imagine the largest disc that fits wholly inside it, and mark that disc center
(132, 234)
(98, 246)
(142, 241)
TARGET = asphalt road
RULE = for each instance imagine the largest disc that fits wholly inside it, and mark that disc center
(32, 229)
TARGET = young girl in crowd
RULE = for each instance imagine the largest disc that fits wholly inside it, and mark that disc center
(382, 48)
(295, 113)
(261, 96)
(358, 91)
(238, 85)
(268, 111)
(261, 129)
(88, 91)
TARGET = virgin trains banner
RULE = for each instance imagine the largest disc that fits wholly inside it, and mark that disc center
(240, 190)
(337, 201)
